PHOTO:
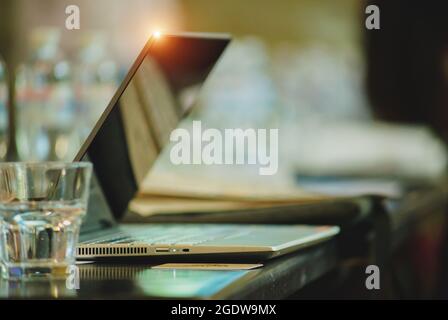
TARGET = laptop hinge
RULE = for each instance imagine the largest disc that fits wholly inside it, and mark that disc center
(99, 216)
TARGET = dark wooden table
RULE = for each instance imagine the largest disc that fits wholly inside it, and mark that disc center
(321, 266)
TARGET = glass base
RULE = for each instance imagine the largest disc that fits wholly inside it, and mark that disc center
(27, 271)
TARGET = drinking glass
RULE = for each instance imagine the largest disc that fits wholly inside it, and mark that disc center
(41, 210)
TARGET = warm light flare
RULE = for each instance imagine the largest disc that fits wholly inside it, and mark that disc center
(157, 34)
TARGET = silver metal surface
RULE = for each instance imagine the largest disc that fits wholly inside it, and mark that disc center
(187, 239)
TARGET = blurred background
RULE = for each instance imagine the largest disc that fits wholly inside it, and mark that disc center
(348, 102)
(307, 67)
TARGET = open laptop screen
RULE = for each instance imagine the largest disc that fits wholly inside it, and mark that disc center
(157, 93)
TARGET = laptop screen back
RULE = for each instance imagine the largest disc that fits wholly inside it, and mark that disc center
(156, 94)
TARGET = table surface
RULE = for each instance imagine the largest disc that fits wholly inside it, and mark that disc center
(277, 279)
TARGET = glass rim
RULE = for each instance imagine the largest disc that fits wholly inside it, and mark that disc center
(47, 164)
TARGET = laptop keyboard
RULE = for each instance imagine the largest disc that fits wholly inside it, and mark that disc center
(171, 236)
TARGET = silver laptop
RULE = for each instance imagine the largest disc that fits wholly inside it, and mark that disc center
(158, 91)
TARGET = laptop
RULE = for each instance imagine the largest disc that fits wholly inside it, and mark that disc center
(159, 90)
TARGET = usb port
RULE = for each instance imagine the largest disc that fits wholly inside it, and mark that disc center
(162, 250)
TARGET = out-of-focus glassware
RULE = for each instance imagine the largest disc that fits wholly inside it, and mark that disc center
(41, 209)
(3, 111)
(45, 101)
(96, 79)
(240, 93)
(320, 82)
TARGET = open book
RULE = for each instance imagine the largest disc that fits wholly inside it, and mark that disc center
(171, 190)
(181, 197)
